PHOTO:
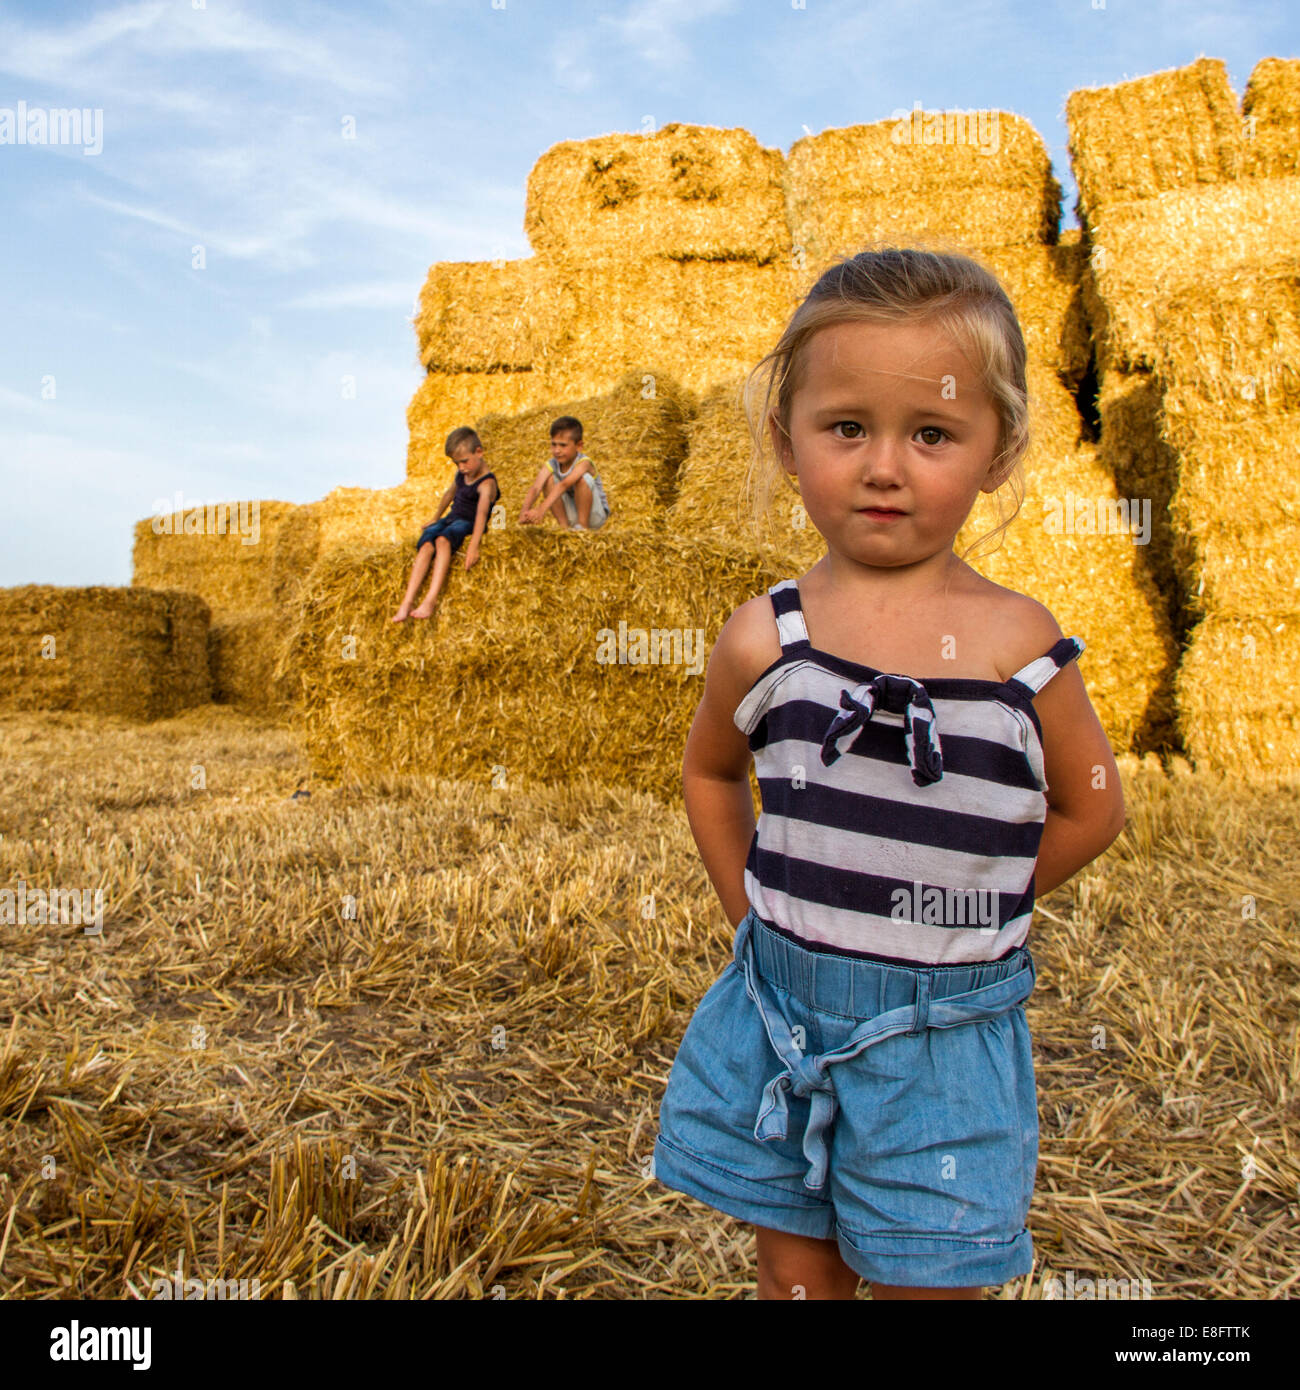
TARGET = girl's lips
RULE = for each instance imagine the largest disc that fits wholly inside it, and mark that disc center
(881, 513)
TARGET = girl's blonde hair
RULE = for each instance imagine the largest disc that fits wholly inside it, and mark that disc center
(897, 284)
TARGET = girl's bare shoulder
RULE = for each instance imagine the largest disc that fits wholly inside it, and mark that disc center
(1020, 629)
(747, 645)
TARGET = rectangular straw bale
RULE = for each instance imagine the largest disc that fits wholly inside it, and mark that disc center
(1171, 130)
(135, 652)
(1232, 569)
(1238, 701)
(1180, 241)
(444, 401)
(221, 551)
(1044, 284)
(493, 316)
(686, 192)
(636, 441)
(1271, 112)
(923, 174)
(243, 650)
(711, 502)
(1230, 349)
(505, 686)
(700, 322)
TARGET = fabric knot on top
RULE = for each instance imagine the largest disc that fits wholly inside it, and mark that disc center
(896, 695)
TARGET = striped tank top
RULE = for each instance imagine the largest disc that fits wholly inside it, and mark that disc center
(900, 820)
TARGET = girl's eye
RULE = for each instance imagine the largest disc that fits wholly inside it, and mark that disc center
(932, 429)
(850, 424)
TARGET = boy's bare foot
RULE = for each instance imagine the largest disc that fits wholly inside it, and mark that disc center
(425, 610)
(402, 614)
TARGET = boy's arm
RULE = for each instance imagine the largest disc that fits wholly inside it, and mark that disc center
(539, 482)
(715, 765)
(575, 473)
(1085, 801)
(486, 501)
(444, 504)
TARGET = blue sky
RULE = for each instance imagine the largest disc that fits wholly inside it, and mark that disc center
(127, 374)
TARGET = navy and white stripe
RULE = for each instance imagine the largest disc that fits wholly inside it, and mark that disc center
(900, 819)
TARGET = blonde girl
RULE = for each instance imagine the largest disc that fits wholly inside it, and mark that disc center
(858, 1083)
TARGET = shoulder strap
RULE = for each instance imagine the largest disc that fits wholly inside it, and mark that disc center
(1041, 670)
(790, 626)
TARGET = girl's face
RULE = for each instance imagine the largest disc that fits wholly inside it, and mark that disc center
(889, 416)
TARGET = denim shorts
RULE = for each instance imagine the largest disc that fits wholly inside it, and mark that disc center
(888, 1107)
(453, 527)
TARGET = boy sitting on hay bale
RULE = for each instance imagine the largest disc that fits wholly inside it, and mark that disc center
(471, 496)
(580, 508)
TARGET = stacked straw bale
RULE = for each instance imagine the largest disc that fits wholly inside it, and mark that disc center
(1172, 192)
(134, 652)
(1193, 220)
(1230, 385)
(663, 255)
(923, 176)
(506, 687)
(246, 590)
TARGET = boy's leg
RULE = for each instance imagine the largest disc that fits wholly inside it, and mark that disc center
(788, 1263)
(557, 512)
(421, 567)
(583, 495)
(441, 564)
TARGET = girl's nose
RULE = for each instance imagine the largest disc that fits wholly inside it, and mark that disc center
(882, 460)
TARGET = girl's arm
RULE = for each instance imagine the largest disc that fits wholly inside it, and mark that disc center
(1085, 802)
(715, 766)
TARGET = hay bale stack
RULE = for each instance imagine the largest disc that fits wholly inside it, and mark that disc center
(135, 652)
(1096, 583)
(1226, 363)
(1146, 251)
(1171, 194)
(683, 192)
(222, 552)
(848, 186)
(635, 435)
(509, 677)
(1271, 107)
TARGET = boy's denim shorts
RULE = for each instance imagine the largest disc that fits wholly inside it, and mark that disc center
(890, 1108)
(452, 527)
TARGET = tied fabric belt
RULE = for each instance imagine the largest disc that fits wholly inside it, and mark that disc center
(899, 695)
(810, 1076)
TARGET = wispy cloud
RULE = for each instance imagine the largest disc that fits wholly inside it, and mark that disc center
(374, 294)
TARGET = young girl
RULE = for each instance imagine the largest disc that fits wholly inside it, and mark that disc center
(859, 1082)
